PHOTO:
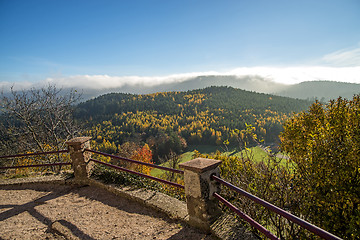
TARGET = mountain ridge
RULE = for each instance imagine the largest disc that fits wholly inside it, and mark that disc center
(321, 90)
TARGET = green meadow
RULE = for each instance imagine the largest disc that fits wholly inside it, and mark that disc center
(256, 153)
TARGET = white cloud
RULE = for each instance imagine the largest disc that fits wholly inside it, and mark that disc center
(286, 75)
(292, 75)
(106, 81)
(5, 86)
(343, 58)
(341, 66)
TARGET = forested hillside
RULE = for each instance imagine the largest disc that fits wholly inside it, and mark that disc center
(171, 120)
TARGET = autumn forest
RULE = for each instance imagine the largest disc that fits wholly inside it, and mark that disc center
(170, 121)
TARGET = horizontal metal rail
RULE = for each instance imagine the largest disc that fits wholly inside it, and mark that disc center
(139, 174)
(34, 154)
(137, 162)
(252, 222)
(37, 165)
(312, 228)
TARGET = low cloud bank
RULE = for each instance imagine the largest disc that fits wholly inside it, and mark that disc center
(293, 75)
(286, 75)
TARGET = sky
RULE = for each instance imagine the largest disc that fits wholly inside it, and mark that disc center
(107, 43)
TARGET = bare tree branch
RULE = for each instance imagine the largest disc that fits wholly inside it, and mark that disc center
(37, 119)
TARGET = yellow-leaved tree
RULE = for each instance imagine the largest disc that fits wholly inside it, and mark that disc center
(324, 146)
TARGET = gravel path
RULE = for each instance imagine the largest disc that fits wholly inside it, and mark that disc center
(27, 211)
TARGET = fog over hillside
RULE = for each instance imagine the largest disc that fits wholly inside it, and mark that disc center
(250, 83)
(304, 83)
(321, 90)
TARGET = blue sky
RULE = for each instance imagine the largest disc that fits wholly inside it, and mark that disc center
(108, 42)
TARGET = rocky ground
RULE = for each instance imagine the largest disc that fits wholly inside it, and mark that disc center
(53, 211)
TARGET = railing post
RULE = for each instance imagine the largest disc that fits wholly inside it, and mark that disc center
(80, 159)
(202, 206)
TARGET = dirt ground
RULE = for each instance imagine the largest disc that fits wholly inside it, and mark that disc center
(27, 211)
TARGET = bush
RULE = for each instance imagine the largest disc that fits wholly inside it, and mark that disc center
(111, 176)
(324, 145)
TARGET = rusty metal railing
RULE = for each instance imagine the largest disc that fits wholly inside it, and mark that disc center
(138, 173)
(35, 154)
(247, 218)
(97, 161)
(137, 162)
(312, 228)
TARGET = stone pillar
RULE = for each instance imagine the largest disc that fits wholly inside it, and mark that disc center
(202, 206)
(80, 158)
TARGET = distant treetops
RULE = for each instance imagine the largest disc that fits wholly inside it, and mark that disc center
(214, 115)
